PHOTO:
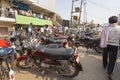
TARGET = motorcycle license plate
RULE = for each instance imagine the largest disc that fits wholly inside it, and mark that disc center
(37, 61)
(78, 59)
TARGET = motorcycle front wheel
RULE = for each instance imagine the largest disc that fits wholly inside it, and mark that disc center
(25, 63)
(69, 70)
(98, 49)
(4, 71)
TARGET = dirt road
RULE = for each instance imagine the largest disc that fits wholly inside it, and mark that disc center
(92, 64)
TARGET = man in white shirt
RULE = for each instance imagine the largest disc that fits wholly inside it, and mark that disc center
(30, 27)
(112, 38)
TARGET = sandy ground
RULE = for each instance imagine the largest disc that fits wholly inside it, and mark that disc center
(92, 65)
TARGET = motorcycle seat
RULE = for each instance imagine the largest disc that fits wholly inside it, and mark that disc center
(93, 39)
(54, 46)
(64, 37)
(59, 53)
(57, 41)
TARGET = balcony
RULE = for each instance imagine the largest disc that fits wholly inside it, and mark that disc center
(5, 16)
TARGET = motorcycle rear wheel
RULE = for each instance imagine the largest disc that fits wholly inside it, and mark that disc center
(73, 71)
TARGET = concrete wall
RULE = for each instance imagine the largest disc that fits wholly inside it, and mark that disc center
(47, 4)
(0, 3)
(5, 26)
(5, 4)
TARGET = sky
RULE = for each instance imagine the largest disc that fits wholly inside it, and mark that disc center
(97, 10)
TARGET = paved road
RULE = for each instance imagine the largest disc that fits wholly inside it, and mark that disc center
(92, 64)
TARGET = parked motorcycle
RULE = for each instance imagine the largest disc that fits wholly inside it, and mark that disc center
(91, 43)
(82, 39)
(73, 40)
(64, 61)
(62, 41)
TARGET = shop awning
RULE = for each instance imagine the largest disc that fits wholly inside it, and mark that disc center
(35, 21)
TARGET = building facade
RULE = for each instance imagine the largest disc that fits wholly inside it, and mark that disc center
(47, 4)
(24, 12)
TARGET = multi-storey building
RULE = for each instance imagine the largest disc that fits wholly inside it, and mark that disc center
(24, 12)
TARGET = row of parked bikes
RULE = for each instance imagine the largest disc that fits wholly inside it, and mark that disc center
(50, 52)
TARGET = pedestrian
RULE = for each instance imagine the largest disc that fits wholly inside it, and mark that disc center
(30, 28)
(35, 31)
(13, 35)
(110, 41)
(42, 29)
(53, 28)
(46, 28)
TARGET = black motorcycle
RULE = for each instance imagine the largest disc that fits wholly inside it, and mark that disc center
(64, 61)
(90, 43)
(61, 41)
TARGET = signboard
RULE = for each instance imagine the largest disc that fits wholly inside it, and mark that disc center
(35, 21)
(65, 22)
(77, 9)
(75, 18)
(19, 5)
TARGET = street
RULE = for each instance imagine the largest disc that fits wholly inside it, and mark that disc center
(92, 65)
(35, 27)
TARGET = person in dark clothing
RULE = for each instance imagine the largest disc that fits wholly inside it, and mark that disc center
(110, 39)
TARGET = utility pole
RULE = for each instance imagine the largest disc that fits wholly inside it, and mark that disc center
(119, 19)
(86, 17)
(81, 3)
(85, 13)
(119, 15)
(72, 10)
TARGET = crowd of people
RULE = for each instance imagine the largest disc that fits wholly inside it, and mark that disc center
(11, 12)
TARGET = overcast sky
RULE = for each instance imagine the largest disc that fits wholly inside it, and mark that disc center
(97, 10)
